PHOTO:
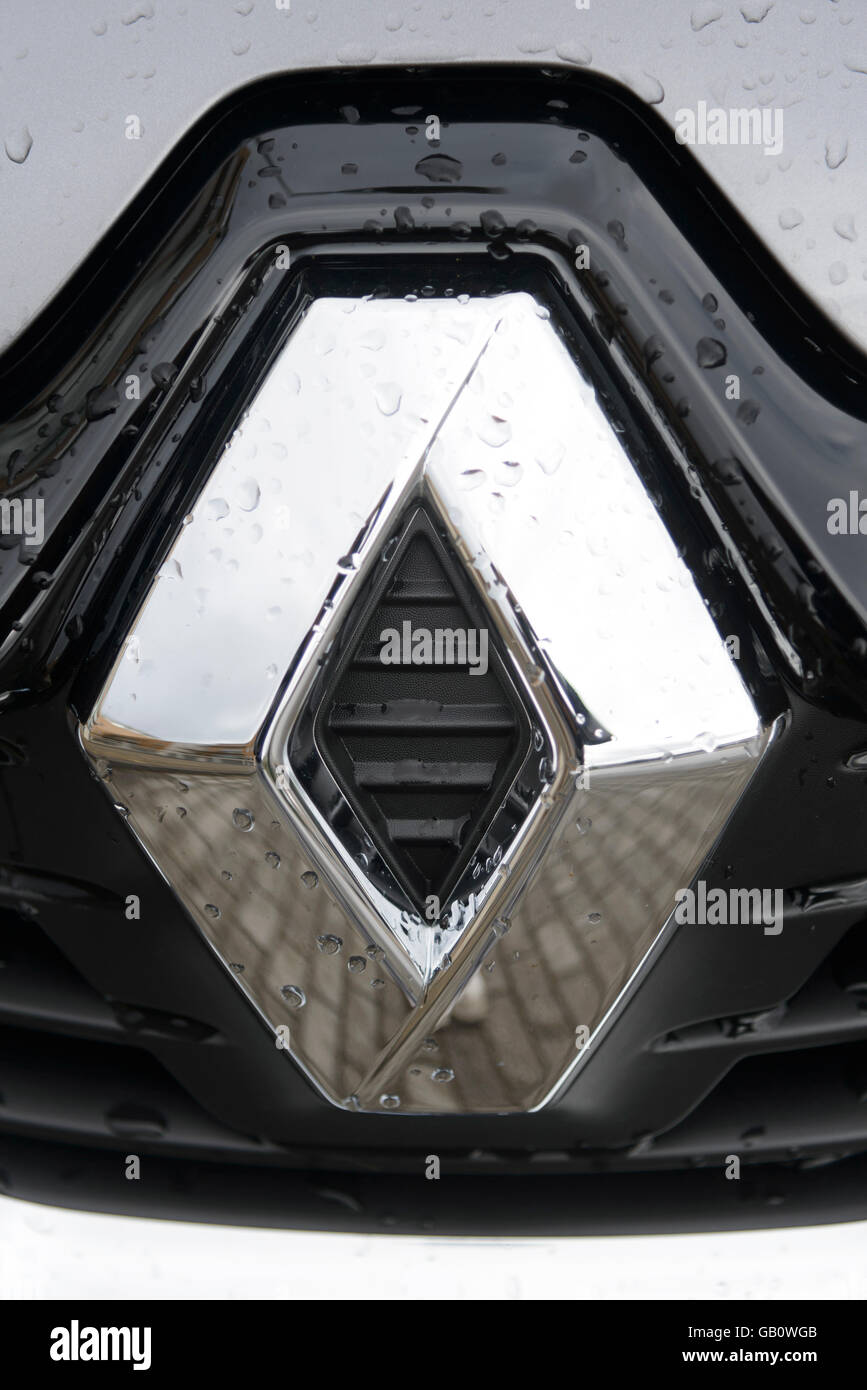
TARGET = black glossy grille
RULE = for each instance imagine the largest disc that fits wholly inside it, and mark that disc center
(76, 1067)
(424, 751)
(80, 1073)
(790, 1080)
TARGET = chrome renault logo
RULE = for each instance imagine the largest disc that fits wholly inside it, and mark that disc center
(430, 877)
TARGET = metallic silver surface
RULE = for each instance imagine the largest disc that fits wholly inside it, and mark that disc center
(74, 74)
(478, 408)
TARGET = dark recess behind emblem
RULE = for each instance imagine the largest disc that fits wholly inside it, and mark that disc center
(425, 754)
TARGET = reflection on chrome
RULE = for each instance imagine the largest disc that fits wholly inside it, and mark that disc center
(644, 735)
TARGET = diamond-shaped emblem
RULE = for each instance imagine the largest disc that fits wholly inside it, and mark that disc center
(446, 467)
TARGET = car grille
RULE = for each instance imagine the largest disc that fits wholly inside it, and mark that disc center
(122, 1035)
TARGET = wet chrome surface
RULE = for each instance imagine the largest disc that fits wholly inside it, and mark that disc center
(479, 408)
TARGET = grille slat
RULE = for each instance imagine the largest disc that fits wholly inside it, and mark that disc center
(413, 717)
(427, 832)
(791, 1079)
(821, 1013)
(83, 1092)
(427, 590)
(779, 1105)
(410, 773)
(40, 990)
(369, 659)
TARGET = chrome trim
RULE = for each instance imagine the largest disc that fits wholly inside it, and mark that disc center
(381, 403)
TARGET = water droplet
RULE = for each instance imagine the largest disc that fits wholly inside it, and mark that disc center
(388, 397)
(272, 859)
(309, 879)
(243, 820)
(550, 455)
(442, 1074)
(164, 373)
(248, 494)
(704, 14)
(218, 507)
(790, 218)
(649, 88)
(225, 875)
(356, 964)
(844, 226)
(136, 1121)
(471, 477)
(430, 1045)
(99, 402)
(329, 945)
(294, 996)
(508, 473)
(495, 431)
(583, 824)
(18, 144)
(594, 916)
(389, 1102)
(754, 1132)
(440, 168)
(492, 223)
(212, 910)
(577, 53)
(710, 352)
